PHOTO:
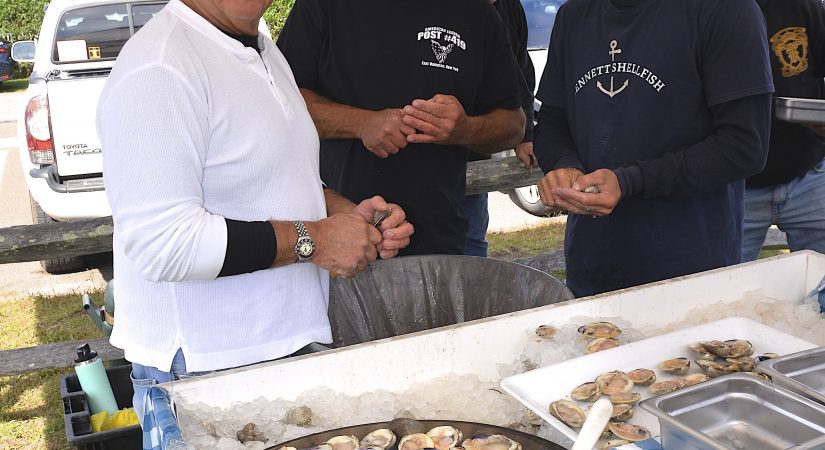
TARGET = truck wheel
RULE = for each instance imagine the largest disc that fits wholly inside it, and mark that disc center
(55, 265)
(527, 198)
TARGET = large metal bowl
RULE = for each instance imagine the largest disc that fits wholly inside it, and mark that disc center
(403, 427)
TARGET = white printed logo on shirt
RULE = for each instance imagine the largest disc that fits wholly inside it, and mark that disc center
(615, 87)
(442, 42)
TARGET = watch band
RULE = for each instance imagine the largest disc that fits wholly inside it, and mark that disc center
(304, 245)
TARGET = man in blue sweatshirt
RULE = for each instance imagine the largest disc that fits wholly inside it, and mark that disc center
(653, 113)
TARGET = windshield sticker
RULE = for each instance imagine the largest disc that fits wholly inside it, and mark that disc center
(72, 50)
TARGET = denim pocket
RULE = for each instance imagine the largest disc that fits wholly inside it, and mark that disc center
(141, 386)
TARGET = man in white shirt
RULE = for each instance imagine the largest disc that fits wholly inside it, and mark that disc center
(211, 169)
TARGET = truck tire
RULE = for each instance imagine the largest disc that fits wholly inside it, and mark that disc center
(55, 265)
(527, 198)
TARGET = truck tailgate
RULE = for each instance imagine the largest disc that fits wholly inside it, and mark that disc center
(72, 105)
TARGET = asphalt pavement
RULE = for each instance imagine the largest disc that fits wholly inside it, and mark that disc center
(23, 279)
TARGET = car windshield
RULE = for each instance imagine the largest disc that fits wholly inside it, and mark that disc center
(541, 14)
(99, 32)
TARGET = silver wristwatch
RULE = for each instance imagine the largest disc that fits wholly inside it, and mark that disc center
(305, 247)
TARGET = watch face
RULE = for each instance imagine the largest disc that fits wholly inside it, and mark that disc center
(305, 248)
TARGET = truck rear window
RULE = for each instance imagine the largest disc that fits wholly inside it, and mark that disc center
(99, 32)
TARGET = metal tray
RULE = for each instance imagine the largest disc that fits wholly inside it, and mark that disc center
(738, 411)
(802, 372)
(800, 110)
(402, 427)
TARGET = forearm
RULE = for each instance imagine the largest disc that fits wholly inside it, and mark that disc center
(736, 149)
(334, 120)
(498, 130)
(337, 203)
(552, 142)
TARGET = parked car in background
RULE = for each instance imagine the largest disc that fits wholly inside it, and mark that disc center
(541, 14)
(59, 149)
(6, 63)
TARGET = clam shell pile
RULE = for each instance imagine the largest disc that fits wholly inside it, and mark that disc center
(438, 438)
(713, 358)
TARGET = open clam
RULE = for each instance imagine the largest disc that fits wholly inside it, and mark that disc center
(662, 387)
(743, 363)
(490, 442)
(600, 330)
(415, 441)
(714, 369)
(445, 437)
(599, 344)
(629, 432)
(629, 398)
(675, 366)
(614, 382)
(695, 378)
(642, 377)
(587, 392)
(380, 438)
(566, 411)
(343, 442)
(621, 412)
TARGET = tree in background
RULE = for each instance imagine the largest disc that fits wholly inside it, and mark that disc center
(20, 19)
(275, 15)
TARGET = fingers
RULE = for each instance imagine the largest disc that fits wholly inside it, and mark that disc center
(384, 133)
(524, 152)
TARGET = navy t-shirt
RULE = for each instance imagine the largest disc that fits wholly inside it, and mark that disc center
(378, 54)
(637, 85)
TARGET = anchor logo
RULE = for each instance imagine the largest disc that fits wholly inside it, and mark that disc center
(612, 93)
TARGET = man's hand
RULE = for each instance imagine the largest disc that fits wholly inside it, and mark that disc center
(524, 152)
(384, 133)
(439, 120)
(345, 243)
(595, 194)
(555, 179)
(395, 230)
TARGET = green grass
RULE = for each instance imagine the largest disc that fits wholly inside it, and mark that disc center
(31, 411)
(14, 85)
(526, 243)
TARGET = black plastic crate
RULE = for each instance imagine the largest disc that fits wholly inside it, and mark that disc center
(76, 414)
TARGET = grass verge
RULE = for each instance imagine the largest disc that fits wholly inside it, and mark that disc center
(14, 85)
(31, 411)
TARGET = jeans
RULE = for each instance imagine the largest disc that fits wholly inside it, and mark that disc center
(475, 208)
(144, 377)
(796, 207)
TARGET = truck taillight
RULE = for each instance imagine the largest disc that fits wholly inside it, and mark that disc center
(38, 132)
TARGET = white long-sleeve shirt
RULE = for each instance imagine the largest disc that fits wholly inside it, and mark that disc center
(197, 128)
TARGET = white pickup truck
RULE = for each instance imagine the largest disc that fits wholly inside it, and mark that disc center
(59, 149)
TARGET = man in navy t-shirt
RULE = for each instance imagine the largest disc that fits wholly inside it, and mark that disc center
(653, 113)
(400, 92)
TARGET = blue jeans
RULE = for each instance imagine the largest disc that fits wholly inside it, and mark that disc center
(475, 208)
(796, 207)
(144, 377)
